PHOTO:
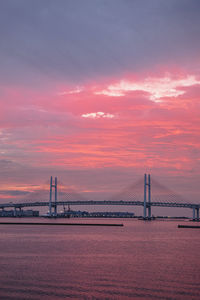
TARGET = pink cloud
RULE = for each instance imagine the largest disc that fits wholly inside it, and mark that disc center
(98, 115)
(157, 88)
(85, 129)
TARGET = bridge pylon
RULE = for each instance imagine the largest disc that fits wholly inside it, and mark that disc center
(196, 213)
(53, 204)
(147, 196)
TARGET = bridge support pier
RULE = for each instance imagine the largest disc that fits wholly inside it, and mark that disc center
(197, 210)
(149, 212)
(195, 214)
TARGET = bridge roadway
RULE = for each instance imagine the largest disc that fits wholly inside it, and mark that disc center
(93, 202)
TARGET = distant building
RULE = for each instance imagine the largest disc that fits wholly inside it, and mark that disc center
(19, 213)
(111, 215)
(85, 214)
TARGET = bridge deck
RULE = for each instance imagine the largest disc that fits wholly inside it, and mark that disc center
(93, 202)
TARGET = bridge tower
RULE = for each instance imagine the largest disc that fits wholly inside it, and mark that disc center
(54, 204)
(196, 215)
(147, 196)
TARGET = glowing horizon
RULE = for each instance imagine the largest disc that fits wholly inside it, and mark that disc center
(99, 94)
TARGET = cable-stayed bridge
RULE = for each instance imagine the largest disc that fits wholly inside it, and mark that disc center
(145, 192)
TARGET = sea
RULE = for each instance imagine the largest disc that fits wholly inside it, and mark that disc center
(141, 260)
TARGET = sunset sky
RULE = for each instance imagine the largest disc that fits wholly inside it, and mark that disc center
(98, 92)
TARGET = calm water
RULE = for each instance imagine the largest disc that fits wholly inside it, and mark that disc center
(142, 260)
